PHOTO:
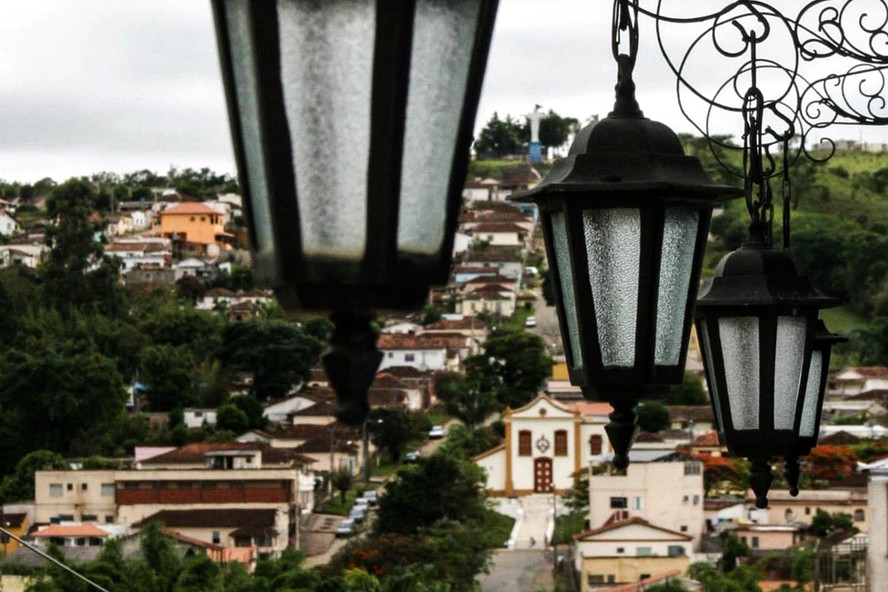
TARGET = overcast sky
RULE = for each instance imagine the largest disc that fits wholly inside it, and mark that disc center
(114, 85)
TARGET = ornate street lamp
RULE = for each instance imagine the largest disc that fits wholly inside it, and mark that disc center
(352, 122)
(625, 217)
(757, 321)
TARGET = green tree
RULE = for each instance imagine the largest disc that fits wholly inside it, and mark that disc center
(652, 416)
(278, 354)
(392, 428)
(342, 480)
(554, 129)
(825, 523)
(19, 485)
(499, 137)
(199, 574)
(734, 547)
(689, 392)
(168, 372)
(230, 417)
(436, 488)
(515, 366)
(467, 398)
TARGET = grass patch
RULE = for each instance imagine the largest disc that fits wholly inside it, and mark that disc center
(335, 505)
(567, 526)
(517, 320)
(438, 415)
(498, 527)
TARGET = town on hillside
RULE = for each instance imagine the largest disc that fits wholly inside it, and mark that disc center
(162, 414)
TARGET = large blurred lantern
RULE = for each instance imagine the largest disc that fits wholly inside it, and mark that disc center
(352, 122)
(766, 356)
(625, 217)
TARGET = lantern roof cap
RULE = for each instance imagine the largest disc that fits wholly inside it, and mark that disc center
(756, 275)
(623, 153)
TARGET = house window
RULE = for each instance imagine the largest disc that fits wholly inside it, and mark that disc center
(859, 516)
(409, 357)
(755, 542)
(109, 519)
(693, 468)
(83, 487)
(192, 219)
(594, 444)
(676, 550)
(55, 490)
(595, 579)
(70, 487)
(619, 503)
(685, 499)
(638, 503)
(203, 218)
(684, 528)
(217, 537)
(644, 576)
(89, 518)
(807, 511)
(524, 446)
(644, 551)
(696, 500)
(107, 489)
(611, 579)
(561, 443)
(621, 550)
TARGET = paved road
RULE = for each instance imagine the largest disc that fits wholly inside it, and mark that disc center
(525, 570)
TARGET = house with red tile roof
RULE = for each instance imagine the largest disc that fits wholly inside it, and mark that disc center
(192, 223)
(71, 535)
(423, 352)
(500, 234)
(628, 550)
(856, 380)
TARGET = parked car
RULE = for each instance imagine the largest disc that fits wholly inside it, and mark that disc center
(345, 528)
(412, 456)
(371, 497)
(436, 433)
(357, 513)
(530, 322)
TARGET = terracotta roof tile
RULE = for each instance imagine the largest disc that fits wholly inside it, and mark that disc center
(78, 530)
(621, 523)
(197, 452)
(190, 208)
(709, 439)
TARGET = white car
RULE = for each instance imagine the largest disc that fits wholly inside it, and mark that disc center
(530, 322)
(436, 433)
(345, 528)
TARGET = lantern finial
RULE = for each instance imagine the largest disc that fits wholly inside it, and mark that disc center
(760, 478)
(792, 471)
(351, 362)
(621, 431)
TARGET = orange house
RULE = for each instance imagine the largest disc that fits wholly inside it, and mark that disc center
(192, 222)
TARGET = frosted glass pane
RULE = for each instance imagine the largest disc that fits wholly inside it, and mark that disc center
(679, 238)
(812, 393)
(237, 20)
(710, 377)
(613, 246)
(740, 348)
(788, 369)
(443, 38)
(563, 262)
(326, 70)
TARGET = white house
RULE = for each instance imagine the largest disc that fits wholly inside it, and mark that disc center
(27, 255)
(195, 418)
(417, 351)
(498, 234)
(629, 551)
(8, 224)
(639, 493)
(546, 443)
(855, 380)
(280, 411)
(877, 511)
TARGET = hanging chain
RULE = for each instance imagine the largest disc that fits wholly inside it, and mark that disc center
(624, 28)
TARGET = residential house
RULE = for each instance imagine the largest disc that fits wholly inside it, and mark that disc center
(628, 550)
(70, 535)
(195, 267)
(639, 493)
(16, 523)
(415, 397)
(464, 273)
(220, 298)
(468, 326)
(877, 514)
(421, 352)
(200, 476)
(546, 443)
(192, 223)
(402, 328)
(769, 538)
(133, 254)
(508, 262)
(29, 255)
(197, 418)
(707, 444)
(281, 411)
(145, 276)
(784, 508)
(855, 380)
(8, 224)
(490, 299)
(229, 528)
(322, 413)
(694, 419)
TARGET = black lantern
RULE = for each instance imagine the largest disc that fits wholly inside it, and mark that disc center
(625, 217)
(352, 122)
(757, 323)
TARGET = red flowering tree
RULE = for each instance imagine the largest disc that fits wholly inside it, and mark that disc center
(830, 464)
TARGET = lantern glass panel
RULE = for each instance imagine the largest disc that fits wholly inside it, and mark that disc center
(565, 264)
(812, 395)
(741, 351)
(791, 333)
(679, 241)
(443, 42)
(613, 248)
(244, 73)
(326, 73)
(710, 375)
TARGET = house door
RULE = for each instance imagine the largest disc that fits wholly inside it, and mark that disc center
(542, 475)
